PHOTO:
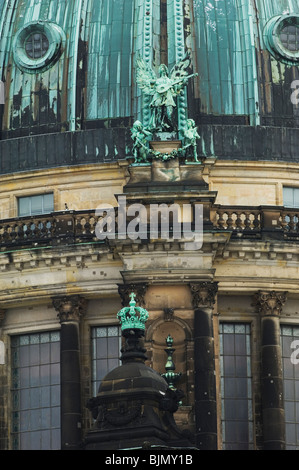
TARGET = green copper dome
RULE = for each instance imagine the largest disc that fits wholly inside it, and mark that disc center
(71, 65)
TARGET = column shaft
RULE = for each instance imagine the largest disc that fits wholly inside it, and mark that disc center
(272, 386)
(70, 386)
(70, 309)
(269, 305)
(204, 295)
(205, 384)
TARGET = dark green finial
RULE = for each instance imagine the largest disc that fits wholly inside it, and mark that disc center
(170, 376)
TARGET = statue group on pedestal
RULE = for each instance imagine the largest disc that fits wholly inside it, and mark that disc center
(163, 90)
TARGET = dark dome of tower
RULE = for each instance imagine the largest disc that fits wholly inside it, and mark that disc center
(132, 377)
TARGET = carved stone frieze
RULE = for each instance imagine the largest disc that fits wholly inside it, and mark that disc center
(269, 303)
(204, 294)
(125, 291)
(122, 414)
(69, 308)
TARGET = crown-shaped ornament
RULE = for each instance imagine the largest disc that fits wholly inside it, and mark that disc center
(133, 317)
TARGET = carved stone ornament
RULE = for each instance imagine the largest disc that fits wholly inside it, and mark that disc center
(125, 291)
(2, 315)
(122, 414)
(168, 314)
(69, 308)
(204, 294)
(270, 303)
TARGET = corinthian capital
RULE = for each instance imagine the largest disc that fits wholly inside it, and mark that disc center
(203, 294)
(269, 303)
(125, 290)
(69, 308)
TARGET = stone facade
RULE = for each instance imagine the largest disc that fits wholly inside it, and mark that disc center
(66, 129)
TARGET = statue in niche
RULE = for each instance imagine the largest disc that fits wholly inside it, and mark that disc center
(190, 137)
(163, 90)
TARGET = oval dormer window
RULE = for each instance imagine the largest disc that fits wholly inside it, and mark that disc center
(281, 36)
(38, 46)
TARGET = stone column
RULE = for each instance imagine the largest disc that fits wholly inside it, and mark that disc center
(2, 346)
(203, 298)
(70, 309)
(269, 305)
(4, 391)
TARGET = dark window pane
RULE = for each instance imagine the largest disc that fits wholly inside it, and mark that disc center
(24, 356)
(229, 365)
(241, 366)
(102, 368)
(102, 347)
(24, 378)
(36, 205)
(240, 344)
(113, 347)
(291, 386)
(44, 353)
(228, 345)
(32, 374)
(106, 345)
(235, 363)
(229, 387)
(36, 45)
(24, 206)
(48, 202)
(45, 397)
(241, 388)
(45, 440)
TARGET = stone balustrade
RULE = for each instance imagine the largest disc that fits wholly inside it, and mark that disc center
(71, 227)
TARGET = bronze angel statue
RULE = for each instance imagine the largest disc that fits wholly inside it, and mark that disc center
(163, 90)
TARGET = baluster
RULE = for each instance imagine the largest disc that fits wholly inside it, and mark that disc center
(292, 223)
(239, 221)
(284, 222)
(221, 222)
(230, 221)
(92, 225)
(247, 221)
(87, 228)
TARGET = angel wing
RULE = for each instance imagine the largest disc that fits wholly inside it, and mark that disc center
(146, 77)
(180, 70)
